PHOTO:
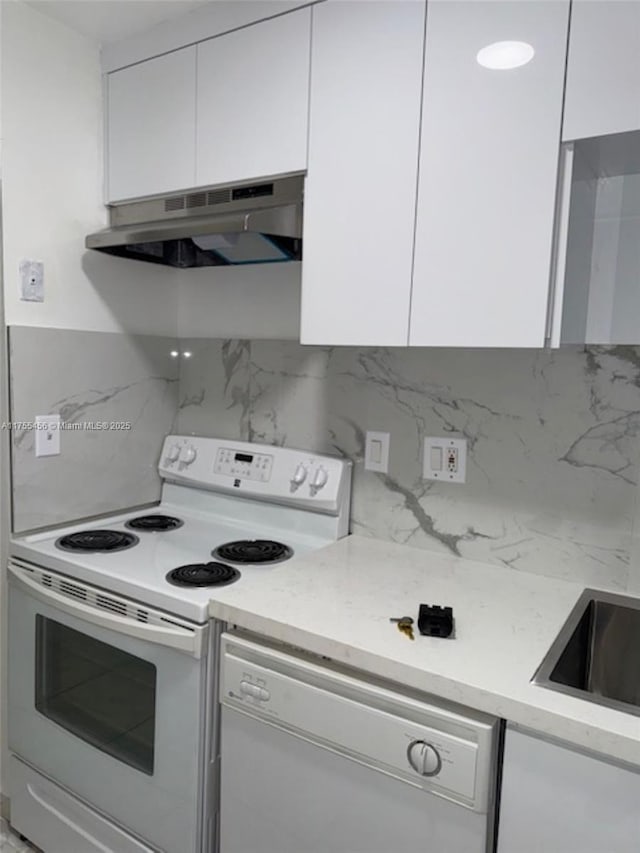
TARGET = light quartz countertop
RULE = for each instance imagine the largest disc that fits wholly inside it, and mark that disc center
(338, 601)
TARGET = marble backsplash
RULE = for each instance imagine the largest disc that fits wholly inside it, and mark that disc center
(552, 467)
(553, 437)
(88, 378)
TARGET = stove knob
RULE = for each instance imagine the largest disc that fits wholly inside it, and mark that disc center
(173, 453)
(424, 758)
(319, 479)
(188, 454)
(299, 476)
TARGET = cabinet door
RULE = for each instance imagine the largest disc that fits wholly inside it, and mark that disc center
(151, 126)
(556, 800)
(603, 71)
(488, 170)
(252, 105)
(359, 218)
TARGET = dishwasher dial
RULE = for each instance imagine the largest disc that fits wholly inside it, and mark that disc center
(424, 758)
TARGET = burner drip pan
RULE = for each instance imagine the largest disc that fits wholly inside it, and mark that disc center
(252, 551)
(154, 523)
(203, 574)
(93, 541)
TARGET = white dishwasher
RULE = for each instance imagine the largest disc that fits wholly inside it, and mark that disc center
(315, 760)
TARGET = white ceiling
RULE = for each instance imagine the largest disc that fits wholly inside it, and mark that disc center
(112, 20)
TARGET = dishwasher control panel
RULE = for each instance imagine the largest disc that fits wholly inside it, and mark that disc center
(423, 744)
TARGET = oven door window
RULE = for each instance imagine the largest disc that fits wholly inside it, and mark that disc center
(98, 692)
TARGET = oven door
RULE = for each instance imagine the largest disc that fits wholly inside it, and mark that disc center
(107, 698)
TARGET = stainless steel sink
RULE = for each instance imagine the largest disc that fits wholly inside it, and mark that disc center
(596, 655)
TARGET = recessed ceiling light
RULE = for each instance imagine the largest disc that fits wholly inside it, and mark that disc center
(504, 55)
(174, 353)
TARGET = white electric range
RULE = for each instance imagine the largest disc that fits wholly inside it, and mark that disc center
(112, 660)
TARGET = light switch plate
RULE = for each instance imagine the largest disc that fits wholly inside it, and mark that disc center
(445, 459)
(376, 451)
(47, 430)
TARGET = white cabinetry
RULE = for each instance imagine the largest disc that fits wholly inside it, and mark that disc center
(366, 69)
(603, 72)
(151, 121)
(206, 20)
(228, 109)
(601, 229)
(556, 800)
(488, 172)
(252, 103)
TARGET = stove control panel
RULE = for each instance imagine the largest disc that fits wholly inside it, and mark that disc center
(249, 466)
(282, 475)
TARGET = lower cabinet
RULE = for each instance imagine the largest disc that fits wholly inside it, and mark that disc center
(556, 799)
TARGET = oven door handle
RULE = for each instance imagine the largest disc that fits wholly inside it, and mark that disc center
(182, 638)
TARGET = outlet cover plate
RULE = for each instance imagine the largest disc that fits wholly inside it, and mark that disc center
(31, 281)
(376, 451)
(47, 430)
(445, 459)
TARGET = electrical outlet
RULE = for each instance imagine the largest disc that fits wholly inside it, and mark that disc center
(31, 281)
(445, 459)
(451, 459)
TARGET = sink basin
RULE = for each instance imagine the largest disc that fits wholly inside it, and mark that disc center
(596, 655)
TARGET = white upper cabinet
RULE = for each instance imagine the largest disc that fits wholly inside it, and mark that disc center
(603, 72)
(232, 108)
(252, 102)
(366, 71)
(488, 172)
(151, 122)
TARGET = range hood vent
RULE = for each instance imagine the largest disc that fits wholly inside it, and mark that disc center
(248, 223)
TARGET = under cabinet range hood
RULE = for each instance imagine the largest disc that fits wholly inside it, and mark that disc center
(248, 223)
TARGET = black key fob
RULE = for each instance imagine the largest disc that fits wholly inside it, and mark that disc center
(435, 621)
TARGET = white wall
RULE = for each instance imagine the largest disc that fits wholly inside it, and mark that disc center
(248, 301)
(51, 96)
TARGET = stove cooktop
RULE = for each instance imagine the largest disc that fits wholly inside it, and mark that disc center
(140, 572)
(247, 506)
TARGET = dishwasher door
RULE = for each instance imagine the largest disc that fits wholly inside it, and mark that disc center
(314, 760)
